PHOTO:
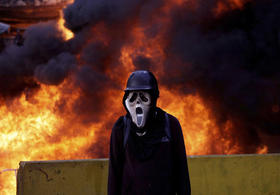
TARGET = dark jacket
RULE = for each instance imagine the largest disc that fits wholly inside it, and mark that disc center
(148, 165)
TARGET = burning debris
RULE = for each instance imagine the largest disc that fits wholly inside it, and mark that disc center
(217, 64)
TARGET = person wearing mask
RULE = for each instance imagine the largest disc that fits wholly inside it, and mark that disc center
(147, 151)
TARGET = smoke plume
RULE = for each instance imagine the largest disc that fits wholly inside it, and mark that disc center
(232, 61)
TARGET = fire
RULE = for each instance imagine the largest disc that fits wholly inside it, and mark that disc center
(41, 125)
(223, 7)
(199, 128)
(68, 34)
(28, 127)
(194, 118)
(33, 129)
(262, 149)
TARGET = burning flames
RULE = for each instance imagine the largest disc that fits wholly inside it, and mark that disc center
(31, 130)
(68, 34)
(27, 132)
(41, 125)
(223, 7)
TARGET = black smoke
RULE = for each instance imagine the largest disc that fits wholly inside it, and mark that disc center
(232, 61)
(18, 64)
(55, 70)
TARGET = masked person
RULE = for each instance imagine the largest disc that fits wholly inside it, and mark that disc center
(147, 151)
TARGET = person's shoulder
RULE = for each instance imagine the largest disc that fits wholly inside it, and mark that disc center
(119, 122)
(175, 127)
(172, 119)
(117, 130)
(174, 124)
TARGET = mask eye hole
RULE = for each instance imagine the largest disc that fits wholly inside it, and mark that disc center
(143, 98)
(133, 97)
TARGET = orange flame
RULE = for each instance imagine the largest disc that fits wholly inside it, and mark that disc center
(262, 149)
(223, 7)
(27, 130)
(68, 34)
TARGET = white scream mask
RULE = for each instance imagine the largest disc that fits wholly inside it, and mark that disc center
(138, 103)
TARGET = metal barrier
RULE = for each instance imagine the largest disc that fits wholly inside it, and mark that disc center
(217, 175)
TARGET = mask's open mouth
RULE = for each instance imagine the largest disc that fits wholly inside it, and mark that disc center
(139, 110)
(139, 115)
